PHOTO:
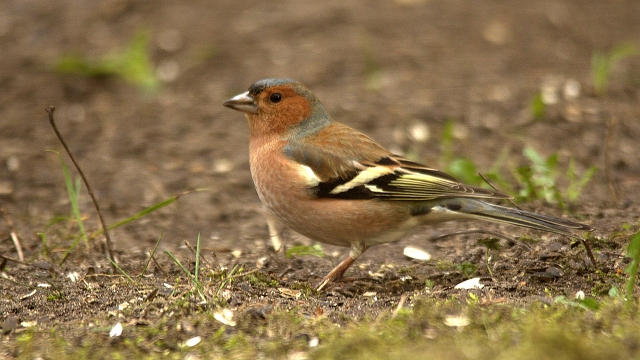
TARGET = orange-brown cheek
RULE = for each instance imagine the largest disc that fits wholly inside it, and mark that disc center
(278, 119)
(295, 110)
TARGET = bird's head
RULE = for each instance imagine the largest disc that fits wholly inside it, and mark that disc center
(280, 107)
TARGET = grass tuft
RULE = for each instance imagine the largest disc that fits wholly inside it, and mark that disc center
(603, 63)
(132, 64)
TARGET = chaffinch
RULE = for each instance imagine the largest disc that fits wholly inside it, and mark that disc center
(335, 185)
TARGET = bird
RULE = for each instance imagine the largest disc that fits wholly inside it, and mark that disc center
(336, 185)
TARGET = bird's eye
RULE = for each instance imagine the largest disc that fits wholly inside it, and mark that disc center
(275, 97)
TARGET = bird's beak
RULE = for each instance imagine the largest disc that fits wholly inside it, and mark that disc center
(242, 102)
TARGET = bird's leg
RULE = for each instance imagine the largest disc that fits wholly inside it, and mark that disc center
(275, 231)
(357, 248)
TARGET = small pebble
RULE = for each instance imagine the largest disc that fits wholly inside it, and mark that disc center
(168, 70)
(77, 113)
(6, 188)
(170, 40)
(419, 132)
(571, 89)
(221, 166)
(13, 164)
(496, 32)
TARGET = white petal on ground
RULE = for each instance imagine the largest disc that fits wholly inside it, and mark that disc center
(73, 276)
(456, 320)
(236, 253)
(225, 316)
(470, 284)
(314, 341)
(416, 253)
(193, 341)
(116, 330)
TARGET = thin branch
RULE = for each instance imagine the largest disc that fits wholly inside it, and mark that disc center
(589, 253)
(403, 299)
(14, 234)
(50, 111)
(155, 262)
(496, 189)
(241, 275)
(15, 260)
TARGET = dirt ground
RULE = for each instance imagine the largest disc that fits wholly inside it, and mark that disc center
(379, 66)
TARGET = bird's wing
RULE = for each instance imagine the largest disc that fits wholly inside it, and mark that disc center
(362, 169)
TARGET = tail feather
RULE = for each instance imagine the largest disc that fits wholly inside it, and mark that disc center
(472, 208)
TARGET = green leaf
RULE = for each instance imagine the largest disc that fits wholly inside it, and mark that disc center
(468, 269)
(533, 156)
(464, 170)
(589, 303)
(576, 184)
(614, 292)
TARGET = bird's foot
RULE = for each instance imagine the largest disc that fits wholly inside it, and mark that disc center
(336, 273)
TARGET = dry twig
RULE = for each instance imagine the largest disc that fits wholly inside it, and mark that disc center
(109, 246)
(14, 234)
(496, 189)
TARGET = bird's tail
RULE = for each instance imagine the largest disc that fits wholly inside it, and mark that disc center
(476, 209)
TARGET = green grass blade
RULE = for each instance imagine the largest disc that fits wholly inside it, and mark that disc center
(633, 251)
(446, 142)
(177, 262)
(314, 250)
(189, 275)
(197, 269)
(227, 279)
(133, 64)
(73, 192)
(145, 212)
(144, 270)
(120, 269)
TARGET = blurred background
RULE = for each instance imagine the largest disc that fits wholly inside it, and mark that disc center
(497, 87)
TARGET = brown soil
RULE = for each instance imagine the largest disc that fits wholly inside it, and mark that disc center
(379, 66)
